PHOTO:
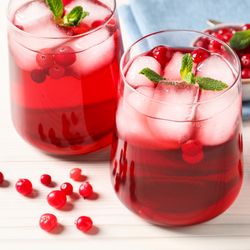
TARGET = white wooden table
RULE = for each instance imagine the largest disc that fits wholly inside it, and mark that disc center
(116, 227)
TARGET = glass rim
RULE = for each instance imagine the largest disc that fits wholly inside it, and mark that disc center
(125, 54)
(10, 23)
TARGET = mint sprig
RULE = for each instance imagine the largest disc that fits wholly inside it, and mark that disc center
(187, 76)
(240, 40)
(73, 18)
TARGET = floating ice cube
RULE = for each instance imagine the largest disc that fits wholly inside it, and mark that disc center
(172, 69)
(173, 113)
(133, 75)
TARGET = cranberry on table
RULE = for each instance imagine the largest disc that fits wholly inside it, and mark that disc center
(24, 187)
(1, 178)
(67, 188)
(45, 179)
(245, 60)
(57, 199)
(38, 75)
(56, 72)
(246, 27)
(199, 55)
(48, 222)
(75, 174)
(45, 58)
(65, 56)
(245, 73)
(86, 190)
(84, 223)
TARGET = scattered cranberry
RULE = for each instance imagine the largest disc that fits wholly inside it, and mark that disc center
(199, 55)
(75, 174)
(81, 29)
(203, 42)
(224, 31)
(97, 23)
(162, 54)
(245, 73)
(67, 188)
(45, 179)
(56, 71)
(57, 199)
(86, 190)
(215, 46)
(45, 58)
(65, 56)
(245, 60)
(48, 222)
(84, 223)
(38, 75)
(1, 177)
(246, 27)
(24, 187)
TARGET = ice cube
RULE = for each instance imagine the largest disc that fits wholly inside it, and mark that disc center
(219, 113)
(133, 75)
(173, 110)
(96, 11)
(172, 69)
(95, 50)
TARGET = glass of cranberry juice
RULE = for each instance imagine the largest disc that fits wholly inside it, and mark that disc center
(64, 78)
(177, 150)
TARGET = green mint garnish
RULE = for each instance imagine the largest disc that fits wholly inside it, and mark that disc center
(240, 40)
(152, 75)
(73, 18)
(187, 76)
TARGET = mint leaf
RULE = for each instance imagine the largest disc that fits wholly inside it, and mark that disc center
(240, 40)
(186, 69)
(152, 75)
(75, 16)
(210, 84)
(57, 8)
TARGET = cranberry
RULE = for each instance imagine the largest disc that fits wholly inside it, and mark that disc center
(192, 152)
(246, 27)
(57, 199)
(97, 23)
(75, 174)
(24, 187)
(84, 223)
(86, 190)
(65, 2)
(162, 54)
(224, 31)
(199, 55)
(81, 29)
(1, 178)
(215, 46)
(65, 56)
(45, 179)
(38, 75)
(56, 71)
(245, 60)
(67, 188)
(245, 73)
(45, 58)
(48, 222)
(203, 42)
(227, 37)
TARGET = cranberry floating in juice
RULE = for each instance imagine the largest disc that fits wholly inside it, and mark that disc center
(177, 149)
(64, 69)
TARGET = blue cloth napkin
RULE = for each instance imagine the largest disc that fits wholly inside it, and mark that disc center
(141, 17)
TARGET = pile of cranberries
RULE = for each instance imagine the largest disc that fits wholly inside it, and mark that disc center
(225, 34)
(57, 198)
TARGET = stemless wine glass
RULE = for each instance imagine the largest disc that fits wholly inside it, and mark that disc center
(64, 81)
(177, 150)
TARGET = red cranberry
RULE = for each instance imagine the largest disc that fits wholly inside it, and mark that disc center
(203, 42)
(45, 58)
(97, 23)
(86, 190)
(65, 56)
(1, 178)
(227, 37)
(224, 31)
(215, 46)
(199, 55)
(81, 29)
(245, 73)
(57, 199)
(192, 152)
(45, 179)
(245, 60)
(38, 75)
(84, 223)
(246, 27)
(162, 54)
(24, 187)
(56, 71)
(65, 2)
(75, 174)
(48, 222)
(67, 188)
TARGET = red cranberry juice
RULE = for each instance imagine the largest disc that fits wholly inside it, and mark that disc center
(172, 172)
(64, 95)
